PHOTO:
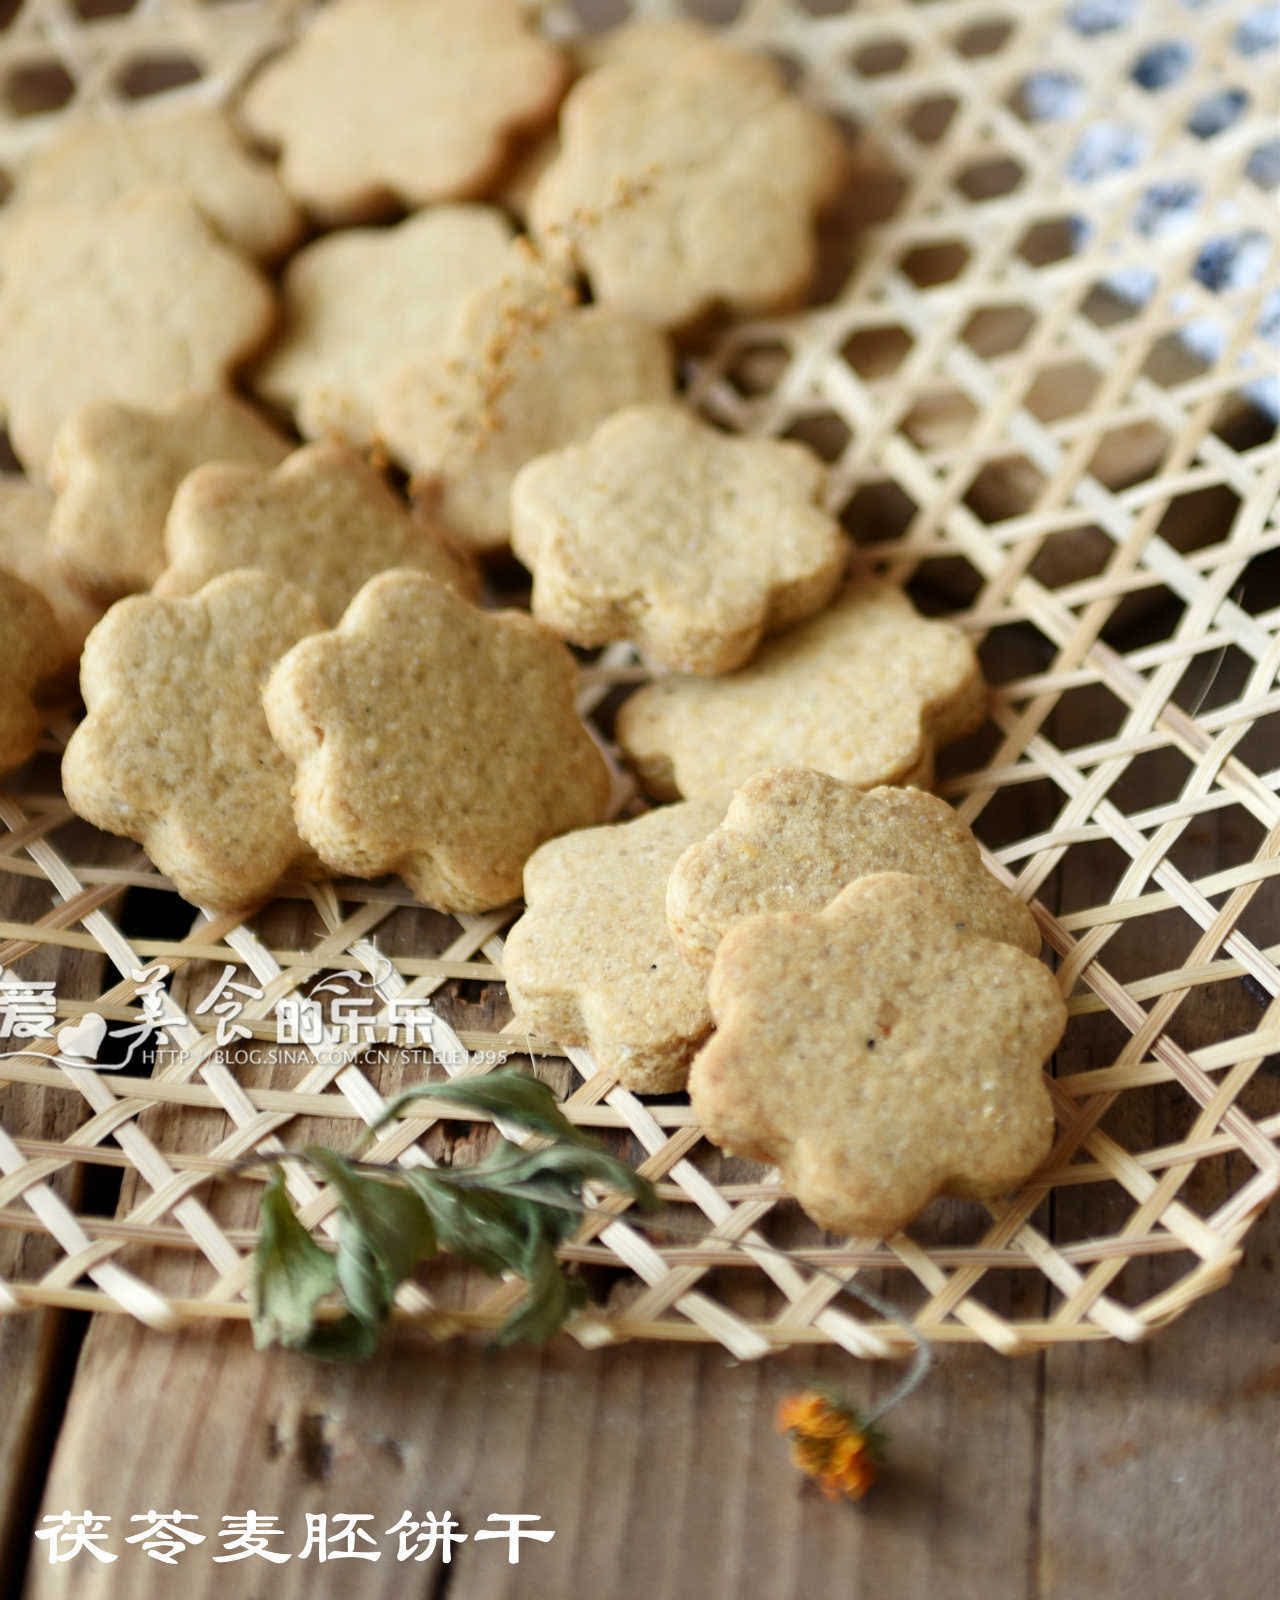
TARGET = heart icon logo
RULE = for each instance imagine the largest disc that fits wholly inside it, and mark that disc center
(83, 1039)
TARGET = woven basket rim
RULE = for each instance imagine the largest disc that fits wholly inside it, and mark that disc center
(928, 428)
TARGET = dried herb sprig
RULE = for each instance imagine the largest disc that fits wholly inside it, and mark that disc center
(507, 1213)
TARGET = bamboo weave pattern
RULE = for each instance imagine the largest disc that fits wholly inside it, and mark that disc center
(1043, 374)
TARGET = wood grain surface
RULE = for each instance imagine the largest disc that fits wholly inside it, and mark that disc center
(35, 1349)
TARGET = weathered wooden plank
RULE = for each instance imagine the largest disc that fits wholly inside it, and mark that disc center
(32, 1343)
(1159, 1460)
(28, 1347)
(657, 1468)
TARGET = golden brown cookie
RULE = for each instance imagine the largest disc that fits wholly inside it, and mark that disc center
(403, 101)
(592, 963)
(648, 39)
(324, 518)
(138, 302)
(26, 551)
(360, 303)
(435, 740)
(866, 691)
(97, 161)
(116, 468)
(529, 370)
(650, 42)
(793, 838)
(687, 182)
(688, 542)
(31, 651)
(175, 751)
(879, 1055)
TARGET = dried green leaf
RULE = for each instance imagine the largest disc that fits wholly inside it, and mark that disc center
(473, 1224)
(291, 1273)
(502, 1232)
(559, 1171)
(383, 1233)
(504, 1092)
(552, 1298)
(506, 1214)
(347, 1339)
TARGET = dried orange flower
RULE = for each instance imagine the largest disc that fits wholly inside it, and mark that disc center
(831, 1442)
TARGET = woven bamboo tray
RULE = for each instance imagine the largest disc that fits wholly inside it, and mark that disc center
(1041, 374)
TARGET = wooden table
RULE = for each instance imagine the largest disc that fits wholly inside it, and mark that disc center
(1094, 1471)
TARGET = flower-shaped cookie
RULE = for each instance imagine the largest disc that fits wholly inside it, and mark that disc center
(403, 100)
(592, 963)
(325, 519)
(878, 1055)
(687, 182)
(661, 530)
(866, 691)
(793, 838)
(31, 650)
(175, 751)
(435, 740)
(116, 467)
(358, 304)
(529, 370)
(138, 302)
(652, 40)
(26, 551)
(97, 161)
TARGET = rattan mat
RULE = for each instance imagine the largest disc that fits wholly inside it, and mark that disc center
(1042, 377)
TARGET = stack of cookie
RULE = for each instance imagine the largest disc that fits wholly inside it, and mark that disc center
(846, 989)
(296, 673)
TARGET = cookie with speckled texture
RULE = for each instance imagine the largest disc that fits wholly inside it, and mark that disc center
(690, 543)
(435, 740)
(591, 962)
(116, 468)
(529, 370)
(403, 101)
(866, 690)
(31, 651)
(793, 838)
(26, 551)
(95, 162)
(138, 302)
(175, 752)
(878, 1055)
(688, 182)
(324, 518)
(358, 303)
(648, 40)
